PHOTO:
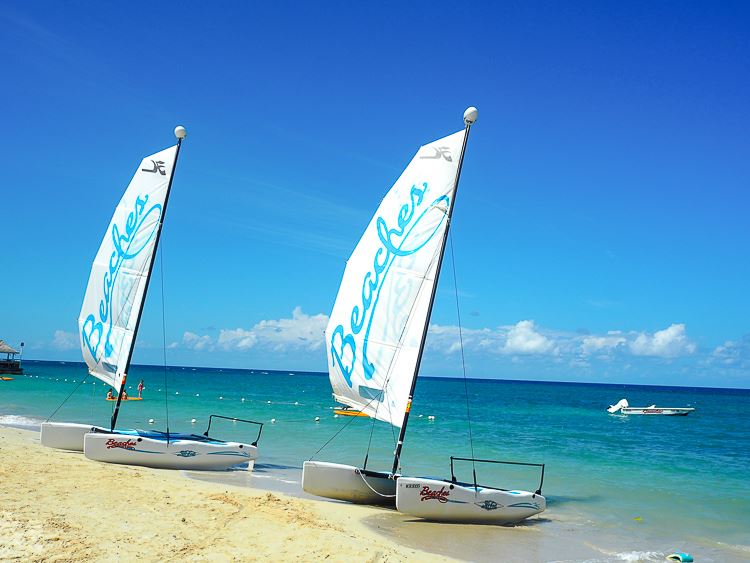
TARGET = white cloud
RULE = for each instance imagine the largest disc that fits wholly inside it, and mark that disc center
(733, 353)
(523, 338)
(194, 341)
(64, 340)
(237, 339)
(301, 331)
(597, 344)
(445, 338)
(668, 343)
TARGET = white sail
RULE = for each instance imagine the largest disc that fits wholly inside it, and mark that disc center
(383, 305)
(118, 279)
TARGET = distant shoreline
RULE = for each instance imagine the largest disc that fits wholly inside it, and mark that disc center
(439, 377)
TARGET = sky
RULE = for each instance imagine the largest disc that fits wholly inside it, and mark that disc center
(601, 231)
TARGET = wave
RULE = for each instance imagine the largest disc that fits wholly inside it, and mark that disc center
(20, 421)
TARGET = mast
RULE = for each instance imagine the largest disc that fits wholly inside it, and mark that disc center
(470, 116)
(180, 132)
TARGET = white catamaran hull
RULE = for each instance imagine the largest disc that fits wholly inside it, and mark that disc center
(65, 435)
(167, 454)
(346, 482)
(443, 501)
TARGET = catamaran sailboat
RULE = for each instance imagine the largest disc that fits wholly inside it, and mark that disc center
(108, 325)
(376, 335)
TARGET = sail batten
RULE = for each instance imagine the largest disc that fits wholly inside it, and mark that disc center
(118, 280)
(382, 308)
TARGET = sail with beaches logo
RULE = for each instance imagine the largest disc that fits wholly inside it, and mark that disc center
(378, 320)
(118, 278)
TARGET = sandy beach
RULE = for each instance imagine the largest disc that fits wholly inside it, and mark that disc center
(59, 506)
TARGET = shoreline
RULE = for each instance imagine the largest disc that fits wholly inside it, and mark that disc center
(265, 514)
(57, 505)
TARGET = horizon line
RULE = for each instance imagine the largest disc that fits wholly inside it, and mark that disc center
(458, 378)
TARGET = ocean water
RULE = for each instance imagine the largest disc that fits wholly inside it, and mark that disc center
(647, 485)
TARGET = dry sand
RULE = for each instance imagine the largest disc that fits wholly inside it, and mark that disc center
(60, 506)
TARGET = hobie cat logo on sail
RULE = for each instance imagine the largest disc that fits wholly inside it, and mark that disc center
(158, 167)
(440, 152)
(403, 240)
(126, 246)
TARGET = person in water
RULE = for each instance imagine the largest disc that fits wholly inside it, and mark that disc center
(109, 394)
(124, 395)
(140, 389)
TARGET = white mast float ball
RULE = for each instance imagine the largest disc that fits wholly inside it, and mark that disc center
(317, 419)
(193, 421)
(470, 115)
(180, 132)
(150, 420)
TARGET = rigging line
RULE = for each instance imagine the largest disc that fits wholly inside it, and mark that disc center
(463, 360)
(115, 322)
(372, 430)
(381, 396)
(93, 395)
(387, 379)
(65, 400)
(133, 287)
(423, 279)
(364, 480)
(119, 314)
(340, 430)
(164, 334)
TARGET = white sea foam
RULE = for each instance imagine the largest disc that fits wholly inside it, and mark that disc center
(638, 556)
(611, 556)
(21, 421)
(633, 556)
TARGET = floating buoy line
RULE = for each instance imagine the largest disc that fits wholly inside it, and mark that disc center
(315, 419)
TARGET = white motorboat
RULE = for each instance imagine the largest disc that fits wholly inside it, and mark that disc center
(622, 407)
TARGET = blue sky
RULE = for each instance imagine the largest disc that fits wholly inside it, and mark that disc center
(601, 232)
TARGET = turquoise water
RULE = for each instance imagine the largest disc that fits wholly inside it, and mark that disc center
(658, 482)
